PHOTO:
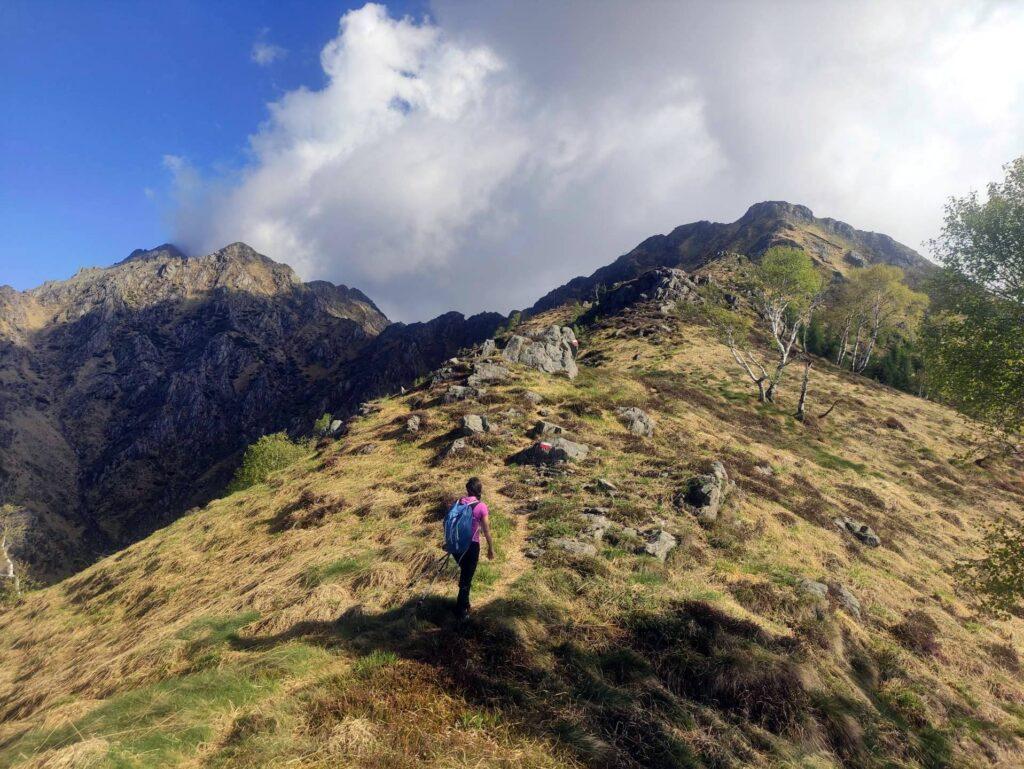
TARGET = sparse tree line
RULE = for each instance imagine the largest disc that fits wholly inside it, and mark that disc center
(961, 344)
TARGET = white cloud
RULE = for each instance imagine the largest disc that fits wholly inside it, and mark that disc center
(265, 54)
(477, 161)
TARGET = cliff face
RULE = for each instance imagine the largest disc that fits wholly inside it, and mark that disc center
(126, 393)
(836, 245)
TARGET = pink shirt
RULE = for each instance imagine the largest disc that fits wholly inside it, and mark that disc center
(480, 512)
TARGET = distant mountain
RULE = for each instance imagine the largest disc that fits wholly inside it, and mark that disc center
(127, 393)
(832, 243)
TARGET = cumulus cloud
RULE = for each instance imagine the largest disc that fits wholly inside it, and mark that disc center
(476, 160)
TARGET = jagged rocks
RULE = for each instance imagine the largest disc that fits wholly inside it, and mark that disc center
(551, 452)
(638, 421)
(487, 372)
(704, 494)
(664, 285)
(474, 424)
(545, 430)
(552, 351)
(859, 530)
(456, 393)
(488, 348)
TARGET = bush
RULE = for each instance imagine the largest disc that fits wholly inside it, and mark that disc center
(267, 455)
(997, 578)
(323, 424)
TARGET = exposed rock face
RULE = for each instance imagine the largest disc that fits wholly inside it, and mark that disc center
(764, 225)
(704, 494)
(638, 421)
(128, 392)
(485, 372)
(666, 286)
(552, 350)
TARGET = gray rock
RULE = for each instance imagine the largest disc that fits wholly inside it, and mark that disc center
(659, 543)
(764, 470)
(474, 424)
(704, 494)
(335, 427)
(544, 429)
(488, 348)
(552, 351)
(551, 452)
(412, 424)
(637, 420)
(366, 448)
(845, 598)
(533, 398)
(605, 485)
(574, 546)
(533, 552)
(666, 286)
(487, 372)
(859, 531)
(455, 447)
(597, 525)
(457, 393)
(812, 588)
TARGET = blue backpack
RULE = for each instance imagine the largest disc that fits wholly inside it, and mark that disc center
(458, 528)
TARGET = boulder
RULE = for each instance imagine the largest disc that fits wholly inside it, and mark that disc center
(603, 484)
(637, 420)
(573, 546)
(544, 429)
(457, 393)
(812, 588)
(335, 427)
(859, 531)
(412, 424)
(551, 452)
(474, 424)
(552, 350)
(704, 494)
(488, 348)
(533, 398)
(659, 543)
(845, 598)
(455, 447)
(597, 525)
(487, 372)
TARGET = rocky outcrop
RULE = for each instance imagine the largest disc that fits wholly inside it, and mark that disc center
(485, 373)
(704, 494)
(859, 531)
(666, 287)
(551, 452)
(474, 424)
(552, 350)
(637, 421)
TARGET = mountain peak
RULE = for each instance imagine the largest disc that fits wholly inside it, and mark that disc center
(778, 209)
(165, 250)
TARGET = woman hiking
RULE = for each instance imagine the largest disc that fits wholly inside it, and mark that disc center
(468, 560)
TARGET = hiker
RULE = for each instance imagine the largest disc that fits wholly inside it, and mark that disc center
(463, 524)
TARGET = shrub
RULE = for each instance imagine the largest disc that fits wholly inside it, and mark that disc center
(917, 633)
(321, 425)
(267, 455)
(997, 578)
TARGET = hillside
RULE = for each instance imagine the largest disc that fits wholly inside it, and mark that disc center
(128, 392)
(294, 623)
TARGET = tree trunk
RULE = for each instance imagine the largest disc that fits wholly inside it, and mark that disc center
(801, 404)
(844, 343)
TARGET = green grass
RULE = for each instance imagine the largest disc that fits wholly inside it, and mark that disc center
(375, 660)
(329, 572)
(161, 724)
(832, 462)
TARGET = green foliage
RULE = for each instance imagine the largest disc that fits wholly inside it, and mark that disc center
(997, 578)
(266, 456)
(974, 345)
(514, 319)
(787, 275)
(321, 425)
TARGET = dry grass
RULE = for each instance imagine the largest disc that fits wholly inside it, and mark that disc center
(293, 623)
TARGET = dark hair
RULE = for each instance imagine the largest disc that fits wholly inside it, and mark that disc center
(474, 488)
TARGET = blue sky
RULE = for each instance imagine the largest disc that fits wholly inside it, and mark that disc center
(94, 95)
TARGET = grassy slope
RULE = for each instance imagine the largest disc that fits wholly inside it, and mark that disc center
(280, 624)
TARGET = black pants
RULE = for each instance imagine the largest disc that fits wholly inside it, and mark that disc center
(467, 566)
